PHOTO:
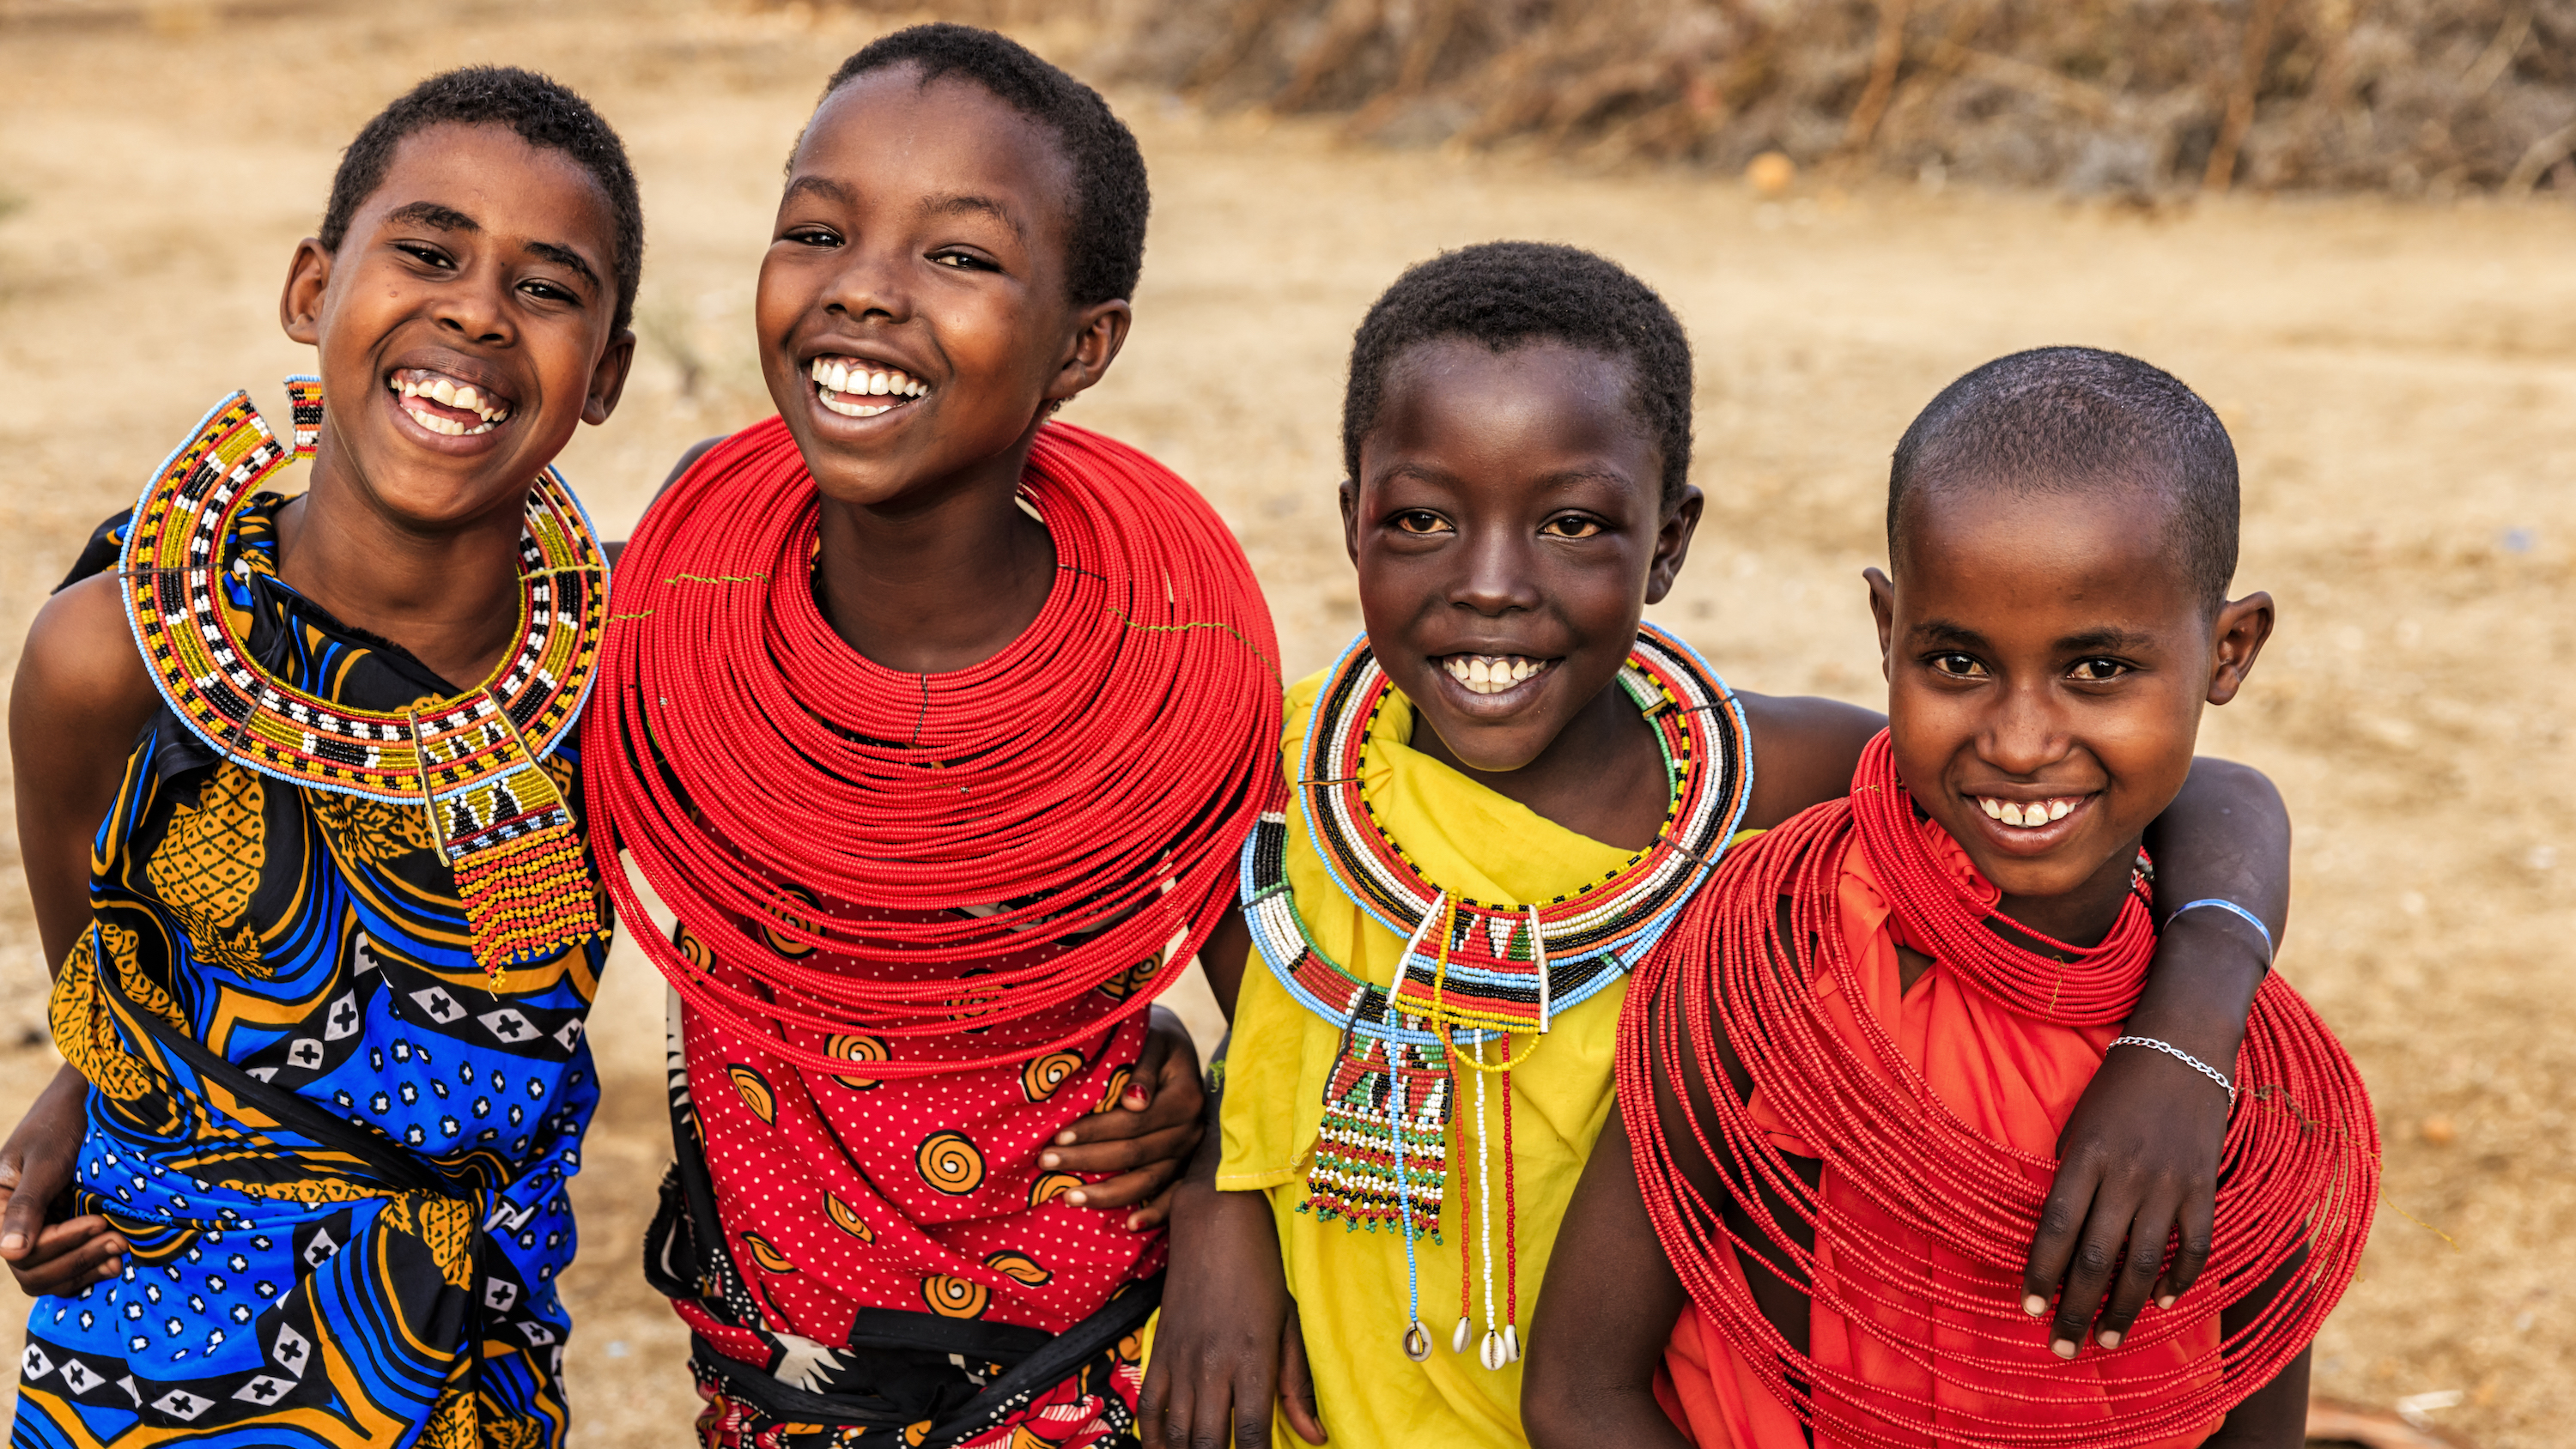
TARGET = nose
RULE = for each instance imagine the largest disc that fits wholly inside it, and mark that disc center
(873, 284)
(475, 307)
(2025, 730)
(1499, 577)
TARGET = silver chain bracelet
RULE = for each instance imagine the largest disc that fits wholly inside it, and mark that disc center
(2184, 1057)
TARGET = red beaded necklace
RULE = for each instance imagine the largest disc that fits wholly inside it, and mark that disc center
(2298, 1175)
(1079, 796)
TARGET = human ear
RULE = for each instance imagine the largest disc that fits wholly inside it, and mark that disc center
(299, 306)
(1099, 330)
(1882, 607)
(608, 379)
(1672, 542)
(2235, 639)
(1351, 519)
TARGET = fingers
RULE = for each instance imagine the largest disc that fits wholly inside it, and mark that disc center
(22, 1220)
(2088, 1279)
(1297, 1382)
(2198, 1216)
(1151, 1063)
(2139, 1271)
(69, 1256)
(1128, 1188)
(1162, 1408)
(1172, 1144)
(2061, 1219)
(1156, 1212)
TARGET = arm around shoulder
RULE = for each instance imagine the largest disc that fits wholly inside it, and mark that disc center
(1804, 751)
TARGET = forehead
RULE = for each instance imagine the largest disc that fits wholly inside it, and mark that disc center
(2001, 559)
(894, 139)
(1456, 406)
(493, 175)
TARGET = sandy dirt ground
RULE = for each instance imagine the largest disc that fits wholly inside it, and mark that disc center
(2401, 381)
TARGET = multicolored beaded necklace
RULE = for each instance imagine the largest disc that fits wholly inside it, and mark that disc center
(1474, 973)
(473, 761)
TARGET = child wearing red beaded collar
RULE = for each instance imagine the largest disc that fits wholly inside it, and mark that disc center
(937, 724)
(1500, 798)
(1906, 992)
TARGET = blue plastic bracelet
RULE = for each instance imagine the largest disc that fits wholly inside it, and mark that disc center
(2250, 918)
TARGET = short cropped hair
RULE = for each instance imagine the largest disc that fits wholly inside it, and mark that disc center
(1105, 224)
(2079, 419)
(1508, 295)
(545, 113)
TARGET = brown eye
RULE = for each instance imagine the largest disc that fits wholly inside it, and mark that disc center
(2097, 671)
(1419, 520)
(1957, 666)
(1571, 525)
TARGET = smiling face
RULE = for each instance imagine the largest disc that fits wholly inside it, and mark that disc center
(463, 324)
(2047, 657)
(913, 317)
(1509, 530)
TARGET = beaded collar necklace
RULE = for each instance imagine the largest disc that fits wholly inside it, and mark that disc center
(1473, 973)
(472, 760)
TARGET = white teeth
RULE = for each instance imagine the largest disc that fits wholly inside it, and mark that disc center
(468, 399)
(443, 390)
(855, 410)
(1491, 673)
(2036, 813)
(822, 370)
(877, 384)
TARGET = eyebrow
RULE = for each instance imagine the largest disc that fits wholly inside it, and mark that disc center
(566, 258)
(2107, 639)
(431, 214)
(958, 202)
(823, 186)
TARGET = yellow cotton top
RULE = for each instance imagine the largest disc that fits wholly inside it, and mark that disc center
(1350, 1284)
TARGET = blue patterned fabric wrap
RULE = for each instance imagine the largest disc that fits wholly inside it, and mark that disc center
(277, 1293)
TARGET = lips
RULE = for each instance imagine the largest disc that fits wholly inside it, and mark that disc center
(446, 404)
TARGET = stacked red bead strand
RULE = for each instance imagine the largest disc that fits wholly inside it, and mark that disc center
(1078, 797)
(1749, 966)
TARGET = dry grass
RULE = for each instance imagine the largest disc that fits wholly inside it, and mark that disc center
(2400, 379)
(2113, 96)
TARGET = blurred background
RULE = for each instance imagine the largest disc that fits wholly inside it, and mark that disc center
(2349, 223)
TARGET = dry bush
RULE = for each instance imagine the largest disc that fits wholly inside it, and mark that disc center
(2123, 96)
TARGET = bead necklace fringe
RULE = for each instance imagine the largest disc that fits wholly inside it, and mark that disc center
(1472, 974)
(473, 762)
(1084, 790)
(2297, 1180)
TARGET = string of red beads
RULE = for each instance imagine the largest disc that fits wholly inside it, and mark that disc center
(1085, 789)
(1746, 966)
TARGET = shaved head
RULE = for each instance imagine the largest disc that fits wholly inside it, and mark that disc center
(2066, 420)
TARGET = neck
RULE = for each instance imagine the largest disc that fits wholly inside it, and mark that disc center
(1601, 776)
(940, 578)
(450, 597)
(2084, 915)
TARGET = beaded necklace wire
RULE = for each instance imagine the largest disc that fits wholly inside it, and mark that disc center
(473, 761)
(1473, 974)
(2297, 1177)
(1073, 803)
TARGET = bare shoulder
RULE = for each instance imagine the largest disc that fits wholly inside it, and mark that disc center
(1804, 750)
(81, 679)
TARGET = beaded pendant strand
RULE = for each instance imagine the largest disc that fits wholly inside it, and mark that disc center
(1473, 974)
(473, 761)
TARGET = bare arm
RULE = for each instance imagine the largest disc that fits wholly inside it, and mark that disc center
(80, 698)
(2138, 1161)
(1604, 1314)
